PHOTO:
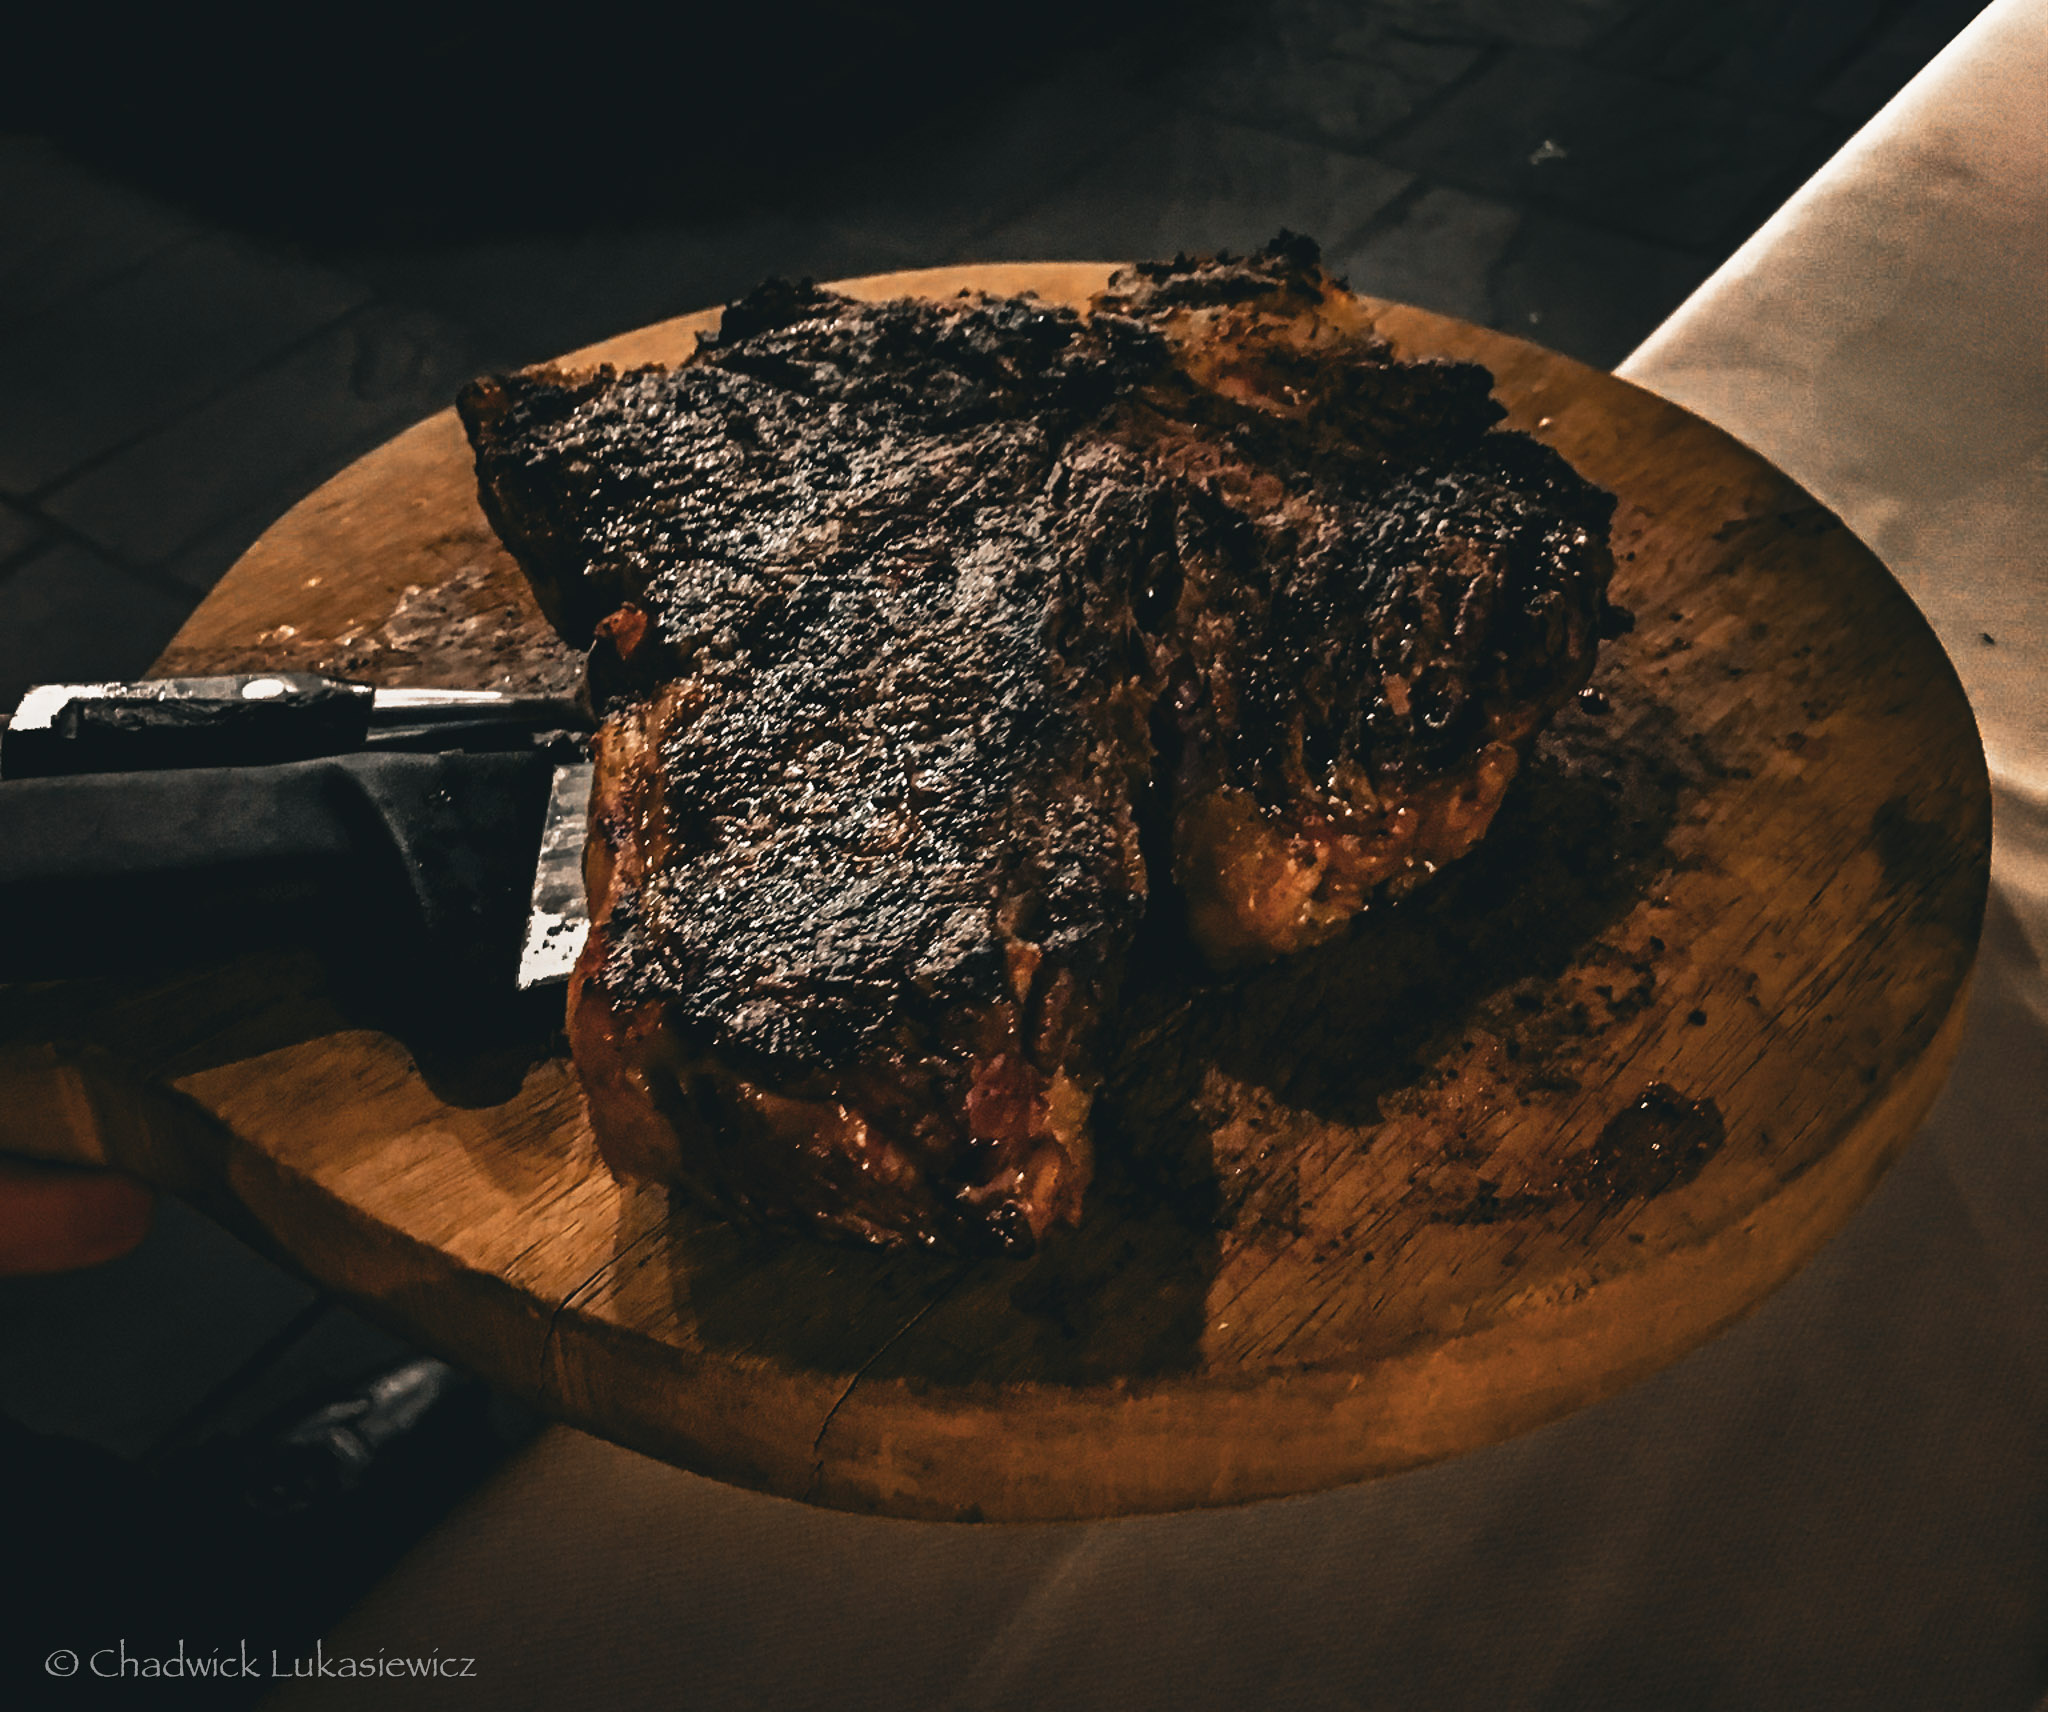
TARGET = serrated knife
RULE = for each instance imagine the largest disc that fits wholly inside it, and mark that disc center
(152, 813)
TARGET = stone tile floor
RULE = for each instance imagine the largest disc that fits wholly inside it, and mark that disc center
(171, 382)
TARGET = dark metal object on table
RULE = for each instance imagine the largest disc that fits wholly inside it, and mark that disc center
(341, 1445)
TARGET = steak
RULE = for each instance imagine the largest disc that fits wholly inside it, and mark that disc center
(1377, 602)
(915, 627)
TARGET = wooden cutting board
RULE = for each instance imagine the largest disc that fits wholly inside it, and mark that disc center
(1516, 1144)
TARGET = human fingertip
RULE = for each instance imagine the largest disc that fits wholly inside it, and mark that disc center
(59, 1219)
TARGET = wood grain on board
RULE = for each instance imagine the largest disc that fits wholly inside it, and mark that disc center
(1511, 1146)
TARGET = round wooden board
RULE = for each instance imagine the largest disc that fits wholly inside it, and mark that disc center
(1382, 1205)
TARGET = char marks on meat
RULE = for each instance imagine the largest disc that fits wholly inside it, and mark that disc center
(905, 616)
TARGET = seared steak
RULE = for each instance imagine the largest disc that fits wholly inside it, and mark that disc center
(1377, 601)
(904, 617)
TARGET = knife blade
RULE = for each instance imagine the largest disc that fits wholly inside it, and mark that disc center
(557, 915)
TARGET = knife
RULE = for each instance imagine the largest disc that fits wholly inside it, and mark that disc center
(253, 719)
(170, 816)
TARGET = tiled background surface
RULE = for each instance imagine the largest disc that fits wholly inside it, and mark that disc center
(172, 379)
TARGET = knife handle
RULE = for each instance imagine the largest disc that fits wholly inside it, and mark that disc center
(254, 719)
(420, 864)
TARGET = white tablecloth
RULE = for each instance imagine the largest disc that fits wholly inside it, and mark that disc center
(1841, 1502)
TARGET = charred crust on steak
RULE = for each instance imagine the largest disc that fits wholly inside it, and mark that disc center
(1382, 596)
(906, 617)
